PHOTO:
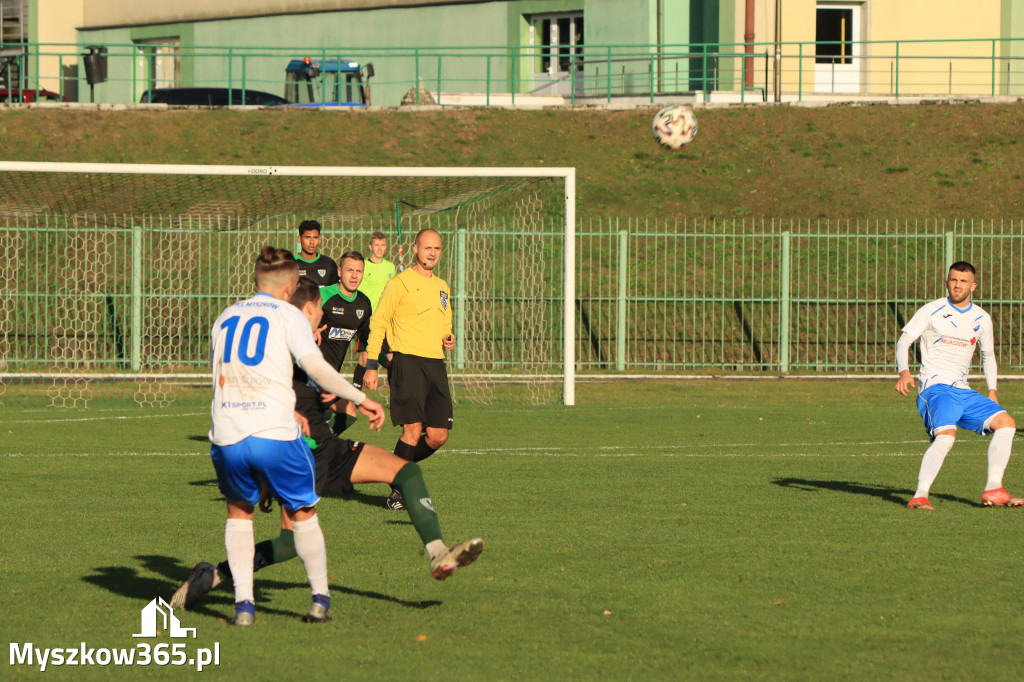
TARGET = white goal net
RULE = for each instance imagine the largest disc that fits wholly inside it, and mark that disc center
(111, 275)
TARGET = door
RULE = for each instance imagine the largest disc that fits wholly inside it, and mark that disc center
(559, 54)
(838, 57)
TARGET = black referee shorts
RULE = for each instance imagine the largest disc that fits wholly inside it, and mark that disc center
(419, 391)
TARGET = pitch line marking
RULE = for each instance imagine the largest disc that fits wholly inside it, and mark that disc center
(99, 419)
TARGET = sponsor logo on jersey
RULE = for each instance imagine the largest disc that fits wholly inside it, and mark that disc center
(973, 340)
(337, 311)
(302, 272)
(959, 343)
(444, 300)
(339, 334)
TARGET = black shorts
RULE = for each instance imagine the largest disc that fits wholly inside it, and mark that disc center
(335, 460)
(419, 391)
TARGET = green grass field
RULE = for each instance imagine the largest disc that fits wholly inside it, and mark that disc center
(705, 530)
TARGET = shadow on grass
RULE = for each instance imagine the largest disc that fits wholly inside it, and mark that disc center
(140, 585)
(199, 439)
(890, 494)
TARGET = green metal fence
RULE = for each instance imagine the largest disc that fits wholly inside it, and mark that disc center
(780, 296)
(652, 296)
(501, 74)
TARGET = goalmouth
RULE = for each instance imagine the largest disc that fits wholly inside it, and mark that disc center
(115, 272)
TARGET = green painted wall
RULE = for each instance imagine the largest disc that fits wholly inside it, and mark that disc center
(1012, 26)
(628, 26)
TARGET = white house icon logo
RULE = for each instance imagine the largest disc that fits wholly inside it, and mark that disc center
(149, 620)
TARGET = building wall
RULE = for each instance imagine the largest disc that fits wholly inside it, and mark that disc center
(350, 35)
(111, 13)
(628, 30)
(58, 67)
(928, 67)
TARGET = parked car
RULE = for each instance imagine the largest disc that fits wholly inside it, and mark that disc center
(211, 97)
(16, 96)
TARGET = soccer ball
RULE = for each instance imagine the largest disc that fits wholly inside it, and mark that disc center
(675, 126)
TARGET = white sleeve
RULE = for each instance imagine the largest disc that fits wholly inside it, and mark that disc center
(903, 352)
(324, 375)
(911, 332)
(988, 353)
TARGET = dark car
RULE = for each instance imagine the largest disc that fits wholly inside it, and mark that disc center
(211, 97)
(16, 96)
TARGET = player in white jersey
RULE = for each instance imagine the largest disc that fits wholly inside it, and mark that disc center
(255, 438)
(949, 329)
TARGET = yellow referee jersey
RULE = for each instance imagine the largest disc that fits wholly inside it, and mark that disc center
(416, 314)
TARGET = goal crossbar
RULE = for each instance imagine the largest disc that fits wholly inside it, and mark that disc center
(565, 174)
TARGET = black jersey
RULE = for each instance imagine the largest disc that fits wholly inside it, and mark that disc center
(323, 270)
(345, 319)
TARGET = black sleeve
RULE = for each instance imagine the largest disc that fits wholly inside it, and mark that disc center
(363, 333)
(332, 272)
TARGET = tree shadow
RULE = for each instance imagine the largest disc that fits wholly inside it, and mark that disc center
(890, 494)
(139, 585)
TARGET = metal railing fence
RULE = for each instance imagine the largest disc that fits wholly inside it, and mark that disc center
(500, 74)
(652, 296)
(780, 296)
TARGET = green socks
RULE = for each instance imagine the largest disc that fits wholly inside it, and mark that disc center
(409, 481)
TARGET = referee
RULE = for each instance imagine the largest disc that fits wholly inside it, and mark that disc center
(415, 314)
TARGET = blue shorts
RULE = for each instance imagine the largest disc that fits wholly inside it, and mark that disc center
(943, 405)
(286, 466)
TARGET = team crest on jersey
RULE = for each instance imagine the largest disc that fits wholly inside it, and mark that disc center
(359, 314)
(444, 300)
(322, 273)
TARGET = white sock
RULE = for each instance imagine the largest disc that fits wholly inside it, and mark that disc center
(932, 462)
(999, 456)
(436, 547)
(241, 547)
(310, 546)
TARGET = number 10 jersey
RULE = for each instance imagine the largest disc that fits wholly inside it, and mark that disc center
(253, 346)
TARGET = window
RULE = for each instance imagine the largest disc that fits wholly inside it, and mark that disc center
(834, 35)
(561, 38)
(13, 29)
(160, 62)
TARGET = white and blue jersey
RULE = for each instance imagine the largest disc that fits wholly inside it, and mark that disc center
(253, 346)
(947, 337)
(254, 435)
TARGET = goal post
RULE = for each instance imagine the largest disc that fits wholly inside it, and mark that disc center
(114, 272)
